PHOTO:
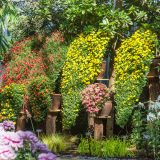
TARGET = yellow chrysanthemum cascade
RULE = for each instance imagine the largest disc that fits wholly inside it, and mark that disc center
(81, 68)
(132, 63)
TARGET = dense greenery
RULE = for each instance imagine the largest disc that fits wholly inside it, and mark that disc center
(146, 128)
(7, 16)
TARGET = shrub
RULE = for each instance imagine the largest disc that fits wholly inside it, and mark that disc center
(31, 58)
(82, 66)
(11, 101)
(54, 55)
(146, 128)
(39, 90)
(132, 63)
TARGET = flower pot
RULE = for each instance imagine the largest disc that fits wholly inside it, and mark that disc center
(105, 111)
(56, 101)
(103, 70)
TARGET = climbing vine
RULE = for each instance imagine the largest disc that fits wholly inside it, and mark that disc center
(132, 63)
(81, 68)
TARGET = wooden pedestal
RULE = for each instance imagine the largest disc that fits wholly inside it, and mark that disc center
(21, 121)
(100, 128)
(51, 122)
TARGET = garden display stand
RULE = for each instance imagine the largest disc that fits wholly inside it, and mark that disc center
(153, 78)
(21, 121)
(52, 114)
(103, 126)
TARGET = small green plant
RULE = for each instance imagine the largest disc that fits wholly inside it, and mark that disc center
(56, 143)
(113, 147)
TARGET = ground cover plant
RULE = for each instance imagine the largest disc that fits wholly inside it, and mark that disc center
(112, 147)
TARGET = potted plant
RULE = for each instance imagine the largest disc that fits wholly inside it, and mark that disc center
(96, 99)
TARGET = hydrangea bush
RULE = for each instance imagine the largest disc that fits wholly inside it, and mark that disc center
(95, 96)
(21, 145)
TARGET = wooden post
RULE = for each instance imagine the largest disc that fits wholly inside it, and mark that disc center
(91, 120)
(21, 121)
(52, 114)
(110, 124)
(99, 126)
(51, 122)
(98, 129)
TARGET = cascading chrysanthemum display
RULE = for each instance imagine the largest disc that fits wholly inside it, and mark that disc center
(132, 64)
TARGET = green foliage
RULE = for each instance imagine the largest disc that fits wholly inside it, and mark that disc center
(39, 90)
(147, 127)
(112, 147)
(132, 64)
(82, 66)
(11, 101)
(145, 13)
(87, 15)
(55, 143)
(54, 55)
(7, 15)
(37, 17)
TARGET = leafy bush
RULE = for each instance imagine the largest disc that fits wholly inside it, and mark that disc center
(54, 55)
(11, 101)
(82, 66)
(146, 128)
(132, 63)
(112, 147)
(39, 90)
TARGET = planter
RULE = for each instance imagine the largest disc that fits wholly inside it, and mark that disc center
(56, 102)
(103, 70)
(105, 111)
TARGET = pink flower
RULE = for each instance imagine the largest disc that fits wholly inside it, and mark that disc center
(95, 96)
